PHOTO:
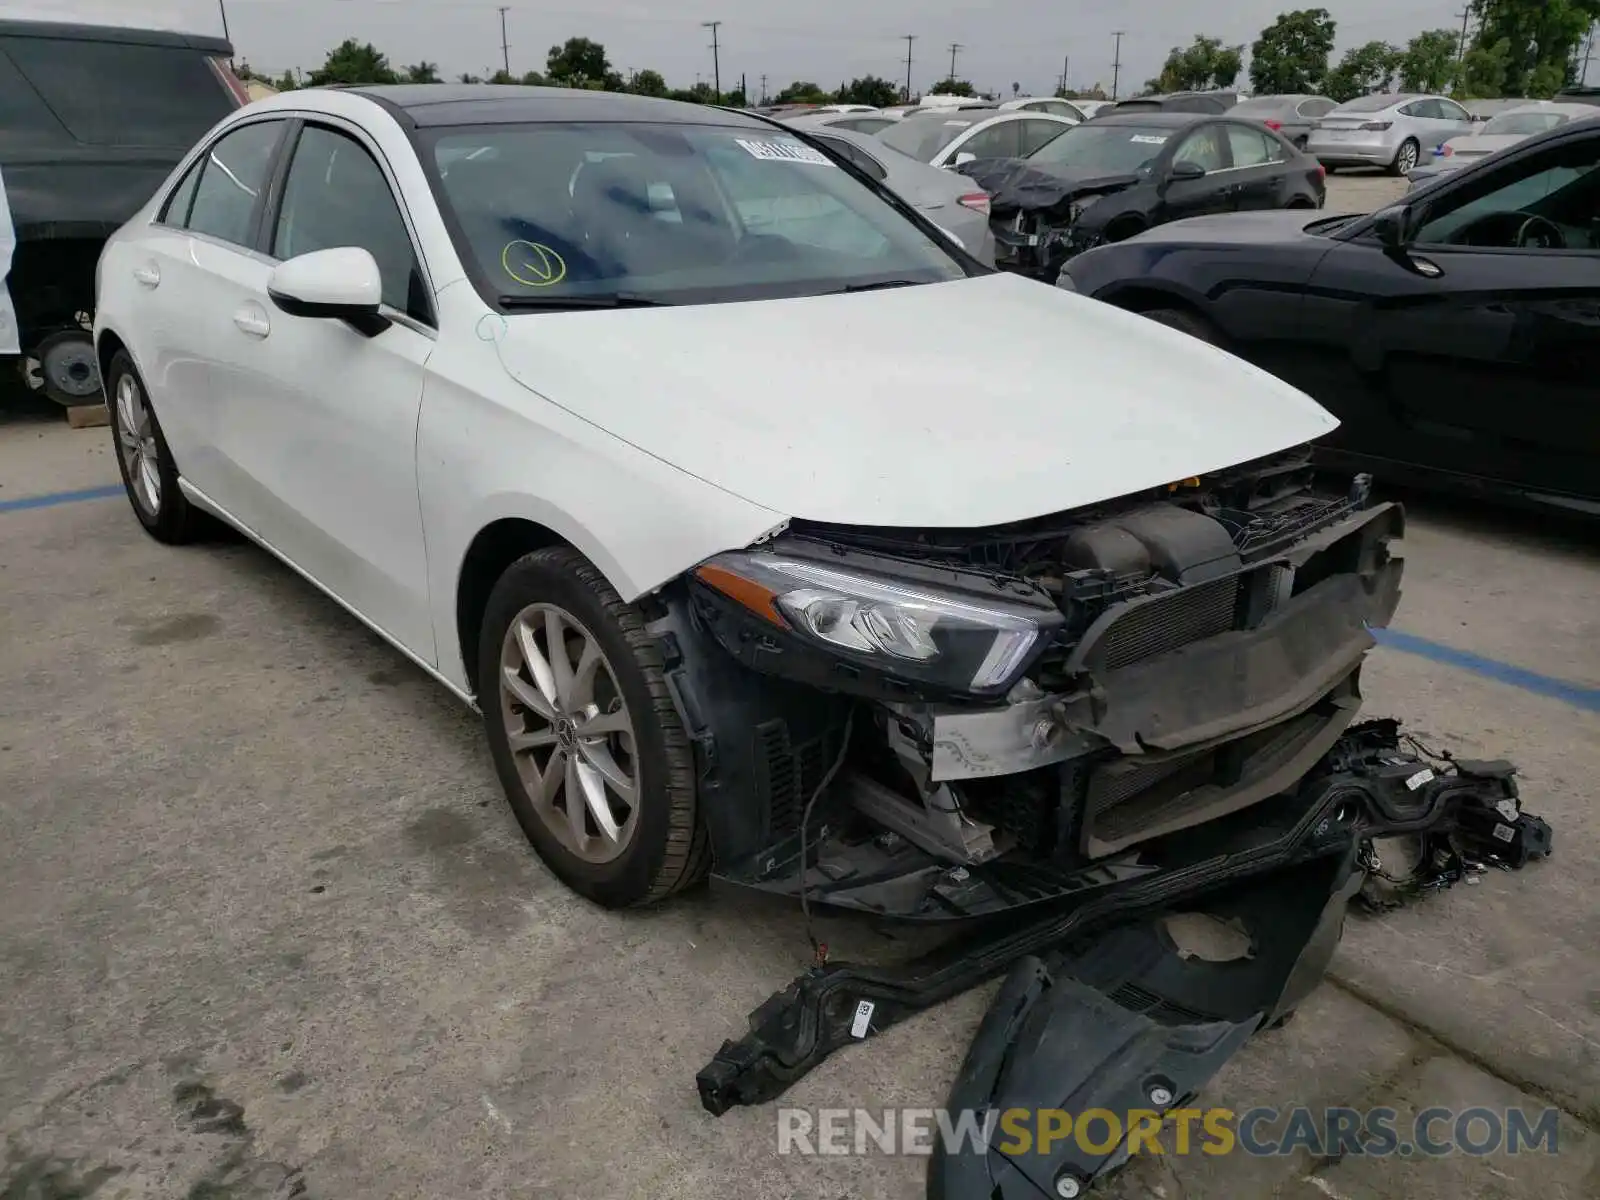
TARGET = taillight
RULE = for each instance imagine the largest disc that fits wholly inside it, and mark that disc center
(225, 75)
(1377, 126)
(1322, 171)
(1274, 124)
(976, 201)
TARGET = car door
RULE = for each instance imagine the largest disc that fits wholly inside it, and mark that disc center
(1467, 351)
(330, 451)
(1259, 178)
(195, 267)
(1458, 119)
(1205, 146)
(1003, 139)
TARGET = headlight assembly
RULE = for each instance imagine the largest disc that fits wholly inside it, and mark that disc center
(976, 642)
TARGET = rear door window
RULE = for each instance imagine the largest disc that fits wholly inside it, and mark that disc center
(857, 158)
(997, 141)
(1251, 148)
(232, 179)
(119, 94)
(1037, 133)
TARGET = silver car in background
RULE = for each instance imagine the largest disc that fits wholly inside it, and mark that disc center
(1292, 116)
(949, 200)
(870, 121)
(948, 138)
(1391, 131)
(1045, 104)
(1499, 132)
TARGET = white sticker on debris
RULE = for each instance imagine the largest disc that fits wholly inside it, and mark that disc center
(863, 1021)
(784, 152)
(1507, 809)
(1421, 777)
(1149, 139)
(1504, 832)
(10, 336)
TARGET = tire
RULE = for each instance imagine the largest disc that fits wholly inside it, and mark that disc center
(1409, 150)
(149, 475)
(660, 846)
(1193, 324)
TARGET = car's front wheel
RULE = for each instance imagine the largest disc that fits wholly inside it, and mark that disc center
(148, 471)
(585, 736)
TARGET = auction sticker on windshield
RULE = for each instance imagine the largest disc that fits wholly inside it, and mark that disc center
(784, 152)
(1149, 139)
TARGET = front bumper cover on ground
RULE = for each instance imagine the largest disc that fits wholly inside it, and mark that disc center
(1103, 1008)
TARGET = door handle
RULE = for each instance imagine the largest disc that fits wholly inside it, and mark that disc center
(253, 320)
(149, 275)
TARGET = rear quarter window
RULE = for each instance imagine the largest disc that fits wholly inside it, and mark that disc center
(120, 94)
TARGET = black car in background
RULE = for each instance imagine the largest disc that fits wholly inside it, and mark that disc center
(1456, 335)
(92, 120)
(1113, 177)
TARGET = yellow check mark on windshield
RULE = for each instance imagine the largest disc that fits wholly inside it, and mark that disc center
(533, 264)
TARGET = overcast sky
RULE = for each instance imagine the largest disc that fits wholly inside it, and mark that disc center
(826, 41)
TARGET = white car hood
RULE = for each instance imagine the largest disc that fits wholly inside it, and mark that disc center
(969, 403)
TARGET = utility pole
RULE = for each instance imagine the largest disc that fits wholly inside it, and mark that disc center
(744, 91)
(954, 46)
(505, 46)
(716, 56)
(1066, 66)
(1461, 46)
(910, 37)
(763, 89)
(1588, 49)
(1116, 62)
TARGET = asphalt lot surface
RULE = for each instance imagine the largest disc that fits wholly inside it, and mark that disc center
(267, 928)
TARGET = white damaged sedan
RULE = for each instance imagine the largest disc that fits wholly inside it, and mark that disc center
(725, 485)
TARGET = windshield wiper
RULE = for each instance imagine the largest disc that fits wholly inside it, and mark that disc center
(592, 300)
(881, 285)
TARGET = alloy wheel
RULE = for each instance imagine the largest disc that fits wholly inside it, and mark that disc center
(136, 436)
(569, 732)
(1408, 157)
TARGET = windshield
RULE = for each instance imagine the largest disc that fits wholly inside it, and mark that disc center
(923, 136)
(675, 214)
(1368, 104)
(1122, 149)
(1523, 123)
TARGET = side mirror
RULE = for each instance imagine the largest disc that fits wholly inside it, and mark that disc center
(1186, 170)
(342, 284)
(1394, 227)
(964, 157)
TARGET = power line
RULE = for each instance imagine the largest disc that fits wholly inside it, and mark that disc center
(1116, 62)
(505, 46)
(716, 55)
(910, 37)
(954, 47)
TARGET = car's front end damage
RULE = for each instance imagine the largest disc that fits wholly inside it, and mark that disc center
(1041, 218)
(1100, 717)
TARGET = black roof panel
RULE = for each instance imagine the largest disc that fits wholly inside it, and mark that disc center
(1154, 116)
(114, 33)
(433, 104)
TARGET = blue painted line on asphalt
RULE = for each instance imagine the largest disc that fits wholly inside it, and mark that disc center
(55, 498)
(1575, 694)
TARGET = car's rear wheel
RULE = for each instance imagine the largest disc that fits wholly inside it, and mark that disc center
(148, 472)
(585, 736)
(1191, 323)
(1405, 159)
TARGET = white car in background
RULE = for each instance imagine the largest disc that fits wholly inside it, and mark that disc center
(1395, 132)
(1045, 104)
(1499, 132)
(948, 139)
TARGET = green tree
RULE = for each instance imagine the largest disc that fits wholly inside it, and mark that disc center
(1291, 55)
(534, 79)
(802, 91)
(503, 77)
(1429, 61)
(952, 87)
(1362, 71)
(354, 62)
(1540, 36)
(649, 83)
(578, 62)
(869, 89)
(422, 72)
(468, 77)
(687, 96)
(287, 83)
(1095, 93)
(1482, 72)
(1207, 63)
